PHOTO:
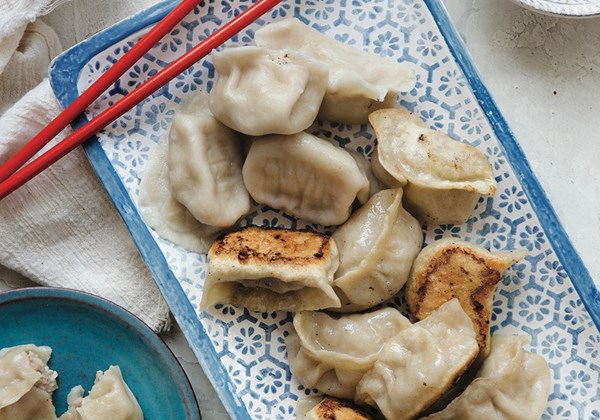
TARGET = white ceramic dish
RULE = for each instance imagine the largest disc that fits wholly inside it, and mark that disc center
(566, 8)
(548, 296)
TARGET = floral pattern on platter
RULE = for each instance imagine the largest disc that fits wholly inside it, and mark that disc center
(536, 296)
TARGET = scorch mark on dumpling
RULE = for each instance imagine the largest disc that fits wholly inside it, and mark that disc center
(451, 268)
(269, 269)
(444, 178)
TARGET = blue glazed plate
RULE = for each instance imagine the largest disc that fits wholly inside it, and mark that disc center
(88, 334)
(549, 296)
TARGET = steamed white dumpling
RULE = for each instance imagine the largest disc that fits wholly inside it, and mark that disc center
(260, 91)
(26, 383)
(21, 367)
(359, 82)
(205, 169)
(444, 177)
(163, 213)
(305, 176)
(375, 185)
(332, 354)
(36, 404)
(109, 398)
(420, 363)
(512, 384)
(377, 246)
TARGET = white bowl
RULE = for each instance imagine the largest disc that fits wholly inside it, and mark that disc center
(568, 8)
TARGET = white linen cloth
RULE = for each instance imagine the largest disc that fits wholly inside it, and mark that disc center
(61, 229)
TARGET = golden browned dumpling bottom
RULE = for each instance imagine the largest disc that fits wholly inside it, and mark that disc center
(335, 409)
(450, 269)
(262, 245)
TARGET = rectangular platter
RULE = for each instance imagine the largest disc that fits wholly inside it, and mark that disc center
(548, 296)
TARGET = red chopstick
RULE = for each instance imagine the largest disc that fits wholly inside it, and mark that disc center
(97, 88)
(160, 79)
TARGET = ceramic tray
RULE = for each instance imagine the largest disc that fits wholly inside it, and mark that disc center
(549, 296)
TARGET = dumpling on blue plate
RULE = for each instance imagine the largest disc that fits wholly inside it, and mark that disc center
(26, 383)
(109, 398)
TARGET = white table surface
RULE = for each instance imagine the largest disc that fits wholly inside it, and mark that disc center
(544, 73)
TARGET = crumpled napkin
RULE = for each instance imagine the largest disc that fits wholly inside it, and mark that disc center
(61, 229)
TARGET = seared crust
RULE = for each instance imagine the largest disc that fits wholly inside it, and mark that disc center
(455, 269)
(269, 269)
(264, 245)
(335, 409)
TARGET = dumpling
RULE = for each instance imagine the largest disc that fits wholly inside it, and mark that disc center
(445, 177)
(512, 384)
(305, 176)
(22, 368)
(384, 176)
(205, 169)
(26, 383)
(328, 408)
(450, 268)
(359, 82)
(267, 269)
(109, 398)
(332, 354)
(163, 213)
(419, 364)
(375, 185)
(260, 91)
(377, 246)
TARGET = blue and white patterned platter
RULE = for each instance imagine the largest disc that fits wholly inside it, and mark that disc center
(548, 296)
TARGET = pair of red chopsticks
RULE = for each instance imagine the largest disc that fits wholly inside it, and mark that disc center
(11, 177)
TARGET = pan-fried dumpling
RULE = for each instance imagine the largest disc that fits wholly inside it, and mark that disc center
(332, 354)
(420, 363)
(328, 408)
(377, 246)
(26, 383)
(205, 169)
(512, 384)
(359, 82)
(305, 176)
(260, 91)
(267, 269)
(109, 398)
(163, 213)
(445, 177)
(450, 268)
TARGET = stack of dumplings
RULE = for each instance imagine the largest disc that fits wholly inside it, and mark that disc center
(245, 143)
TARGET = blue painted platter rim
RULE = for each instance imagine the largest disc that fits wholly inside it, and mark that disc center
(120, 315)
(64, 73)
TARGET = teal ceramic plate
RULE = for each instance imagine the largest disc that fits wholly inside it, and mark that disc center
(87, 334)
